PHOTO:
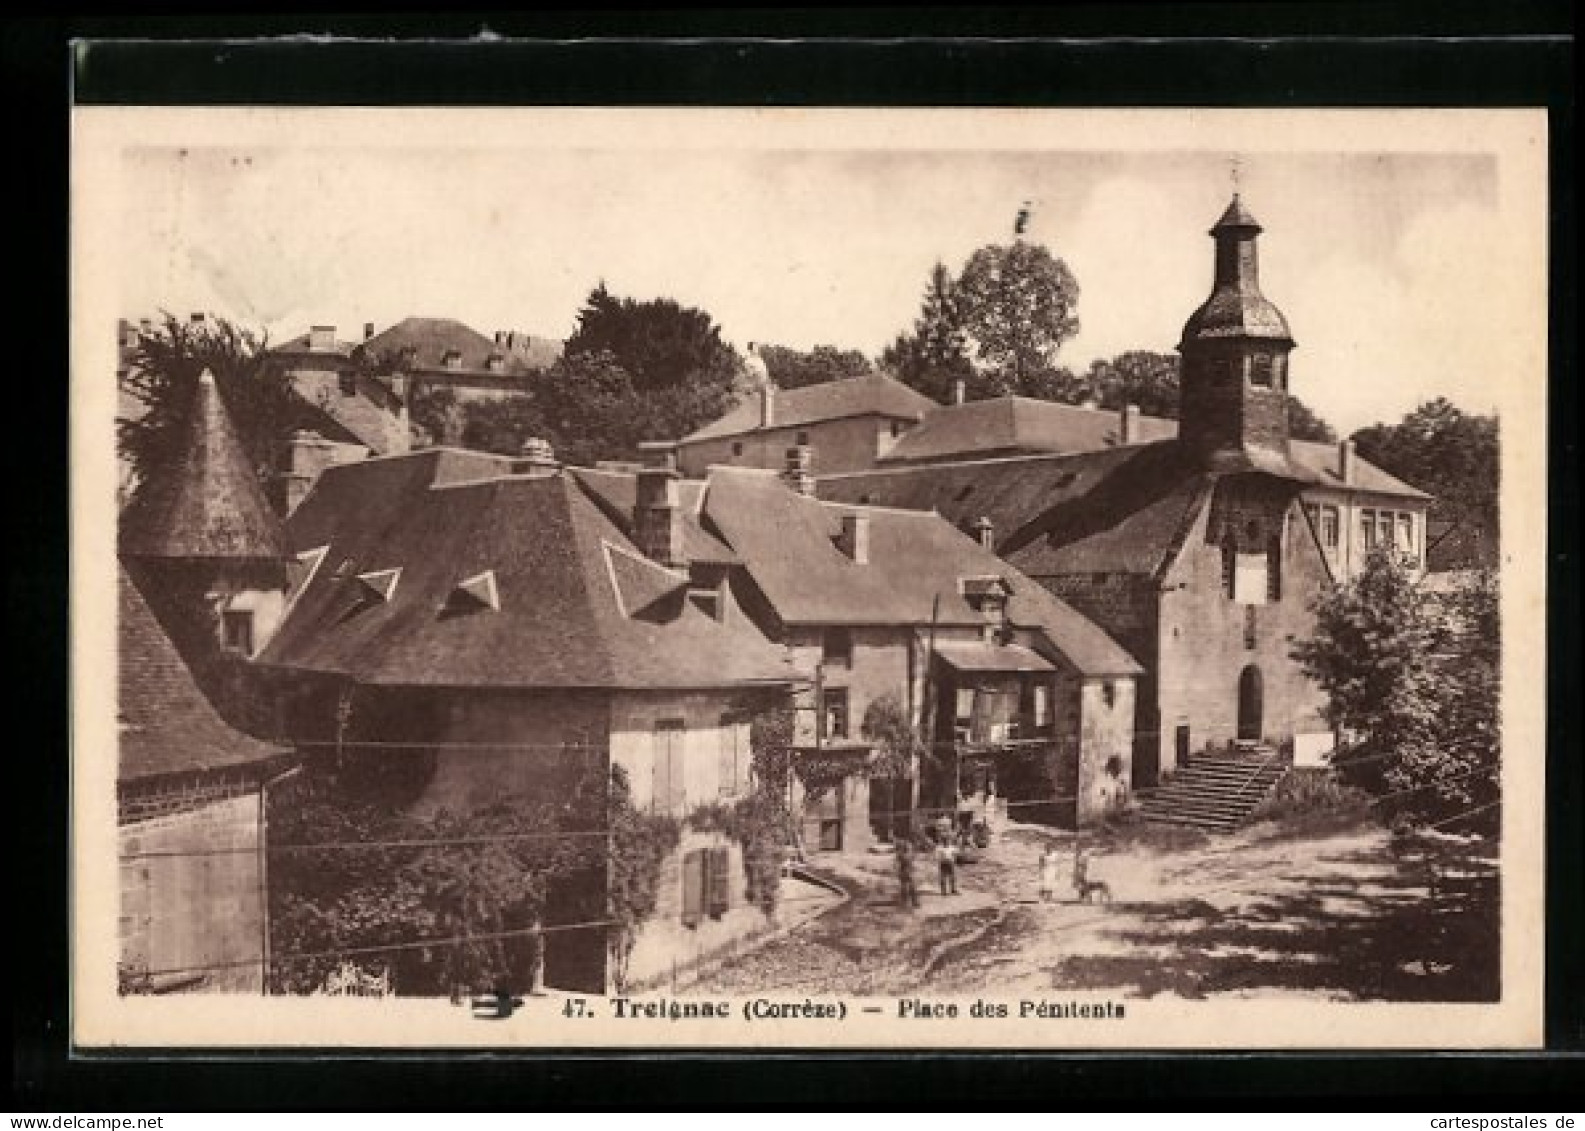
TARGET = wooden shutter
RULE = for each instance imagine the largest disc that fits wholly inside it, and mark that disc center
(720, 881)
(693, 878)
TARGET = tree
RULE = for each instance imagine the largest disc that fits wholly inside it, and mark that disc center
(163, 378)
(1415, 704)
(660, 343)
(935, 354)
(1138, 377)
(1018, 306)
(435, 415)
(793, 369)
(898, 750)
(1452, 455)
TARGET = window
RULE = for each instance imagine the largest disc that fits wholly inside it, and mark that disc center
(1229, 563)
(1279, 365)
(803, 438)
(836, 647)
(694, 866)
(737, 448)
(670, 788)
(236, 628)
(348, 383)
(1406, 533)
(1367, 529)
(1040, 708)
(1109, 694)
(834, 712)
(1260, 370)
(1329, 528)
(733, 770)
(1384, 529)
(963, 710)
(1249, 626)
(706, 884)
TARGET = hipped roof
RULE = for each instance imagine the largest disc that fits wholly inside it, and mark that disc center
(915, 573)
(580, 607)
(873, 394)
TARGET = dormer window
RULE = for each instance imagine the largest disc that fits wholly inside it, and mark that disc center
(452, 359)
(380, 585)
(474, 593)
(236, 631)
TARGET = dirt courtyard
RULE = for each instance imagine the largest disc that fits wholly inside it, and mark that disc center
(1333, 911)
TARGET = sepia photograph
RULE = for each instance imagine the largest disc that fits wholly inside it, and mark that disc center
(824, 578)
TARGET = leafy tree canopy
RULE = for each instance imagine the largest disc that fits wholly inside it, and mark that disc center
(659, 343)
(793, 369)
(162, 378)
(1018, 304)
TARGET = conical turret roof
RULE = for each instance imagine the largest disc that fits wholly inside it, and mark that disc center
(204, 503)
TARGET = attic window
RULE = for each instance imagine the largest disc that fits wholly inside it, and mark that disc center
(380, 585)
(737, 448)
(236, 631)
(1260, 370)
(803, 438)
(476, 592)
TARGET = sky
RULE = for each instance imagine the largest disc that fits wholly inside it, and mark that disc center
(1391, 266)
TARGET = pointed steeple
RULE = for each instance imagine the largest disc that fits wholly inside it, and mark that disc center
(205, 503)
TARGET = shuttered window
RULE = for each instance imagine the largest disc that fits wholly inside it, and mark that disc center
(719, 881)
(732, 772)
(693, 868)
(670, 789)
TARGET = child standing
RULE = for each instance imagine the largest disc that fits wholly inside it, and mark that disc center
(1050, 862)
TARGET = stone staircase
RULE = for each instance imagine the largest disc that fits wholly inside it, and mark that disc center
(1215, 791)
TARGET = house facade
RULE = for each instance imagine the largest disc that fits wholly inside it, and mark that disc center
(1200, 552)
(841, 425)
(1007, 686)
(484, 619)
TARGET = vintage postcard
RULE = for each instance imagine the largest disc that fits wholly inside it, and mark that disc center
(840, 579)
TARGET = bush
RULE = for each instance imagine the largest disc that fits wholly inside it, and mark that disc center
(1308, 792)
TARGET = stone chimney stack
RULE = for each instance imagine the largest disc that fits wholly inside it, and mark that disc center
(1346, 470)
(368, 330)
(1130, 424)
(321, 337)
(657, 514)
(797, 472)
(854, 541)
(537, 458)
(985, 533)
(960, 391)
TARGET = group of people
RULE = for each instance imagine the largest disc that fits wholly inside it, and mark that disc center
(945, 849)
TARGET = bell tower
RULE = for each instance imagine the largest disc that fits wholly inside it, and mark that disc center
(1234, 389)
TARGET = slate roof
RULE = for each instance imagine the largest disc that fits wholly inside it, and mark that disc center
(340, 350)
(1119, 510)
(788, 544)
(617, 494)
(567, 618)
(205, 502)
(432, 338)
(1014, 426)
(168, 726)
(1236, 308)
(873, 394)
(1011, 426)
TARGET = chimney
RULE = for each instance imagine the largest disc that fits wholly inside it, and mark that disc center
(146, 325)
(960, 391)
(1345, 461)
(368, 330)
(657, 513)
(854, 541)
(985, 533)
(797, 471)
(767, 404)
(321, 337)
(500, 337)
(1130, 424)
(537, 458)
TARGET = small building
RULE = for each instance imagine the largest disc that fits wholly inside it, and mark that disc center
(1002, 681)
(491, 632)
(843, 426)
(446, 353)
(191, 793)
(1200, 551)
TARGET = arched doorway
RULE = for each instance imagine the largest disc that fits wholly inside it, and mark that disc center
(1250, 704)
